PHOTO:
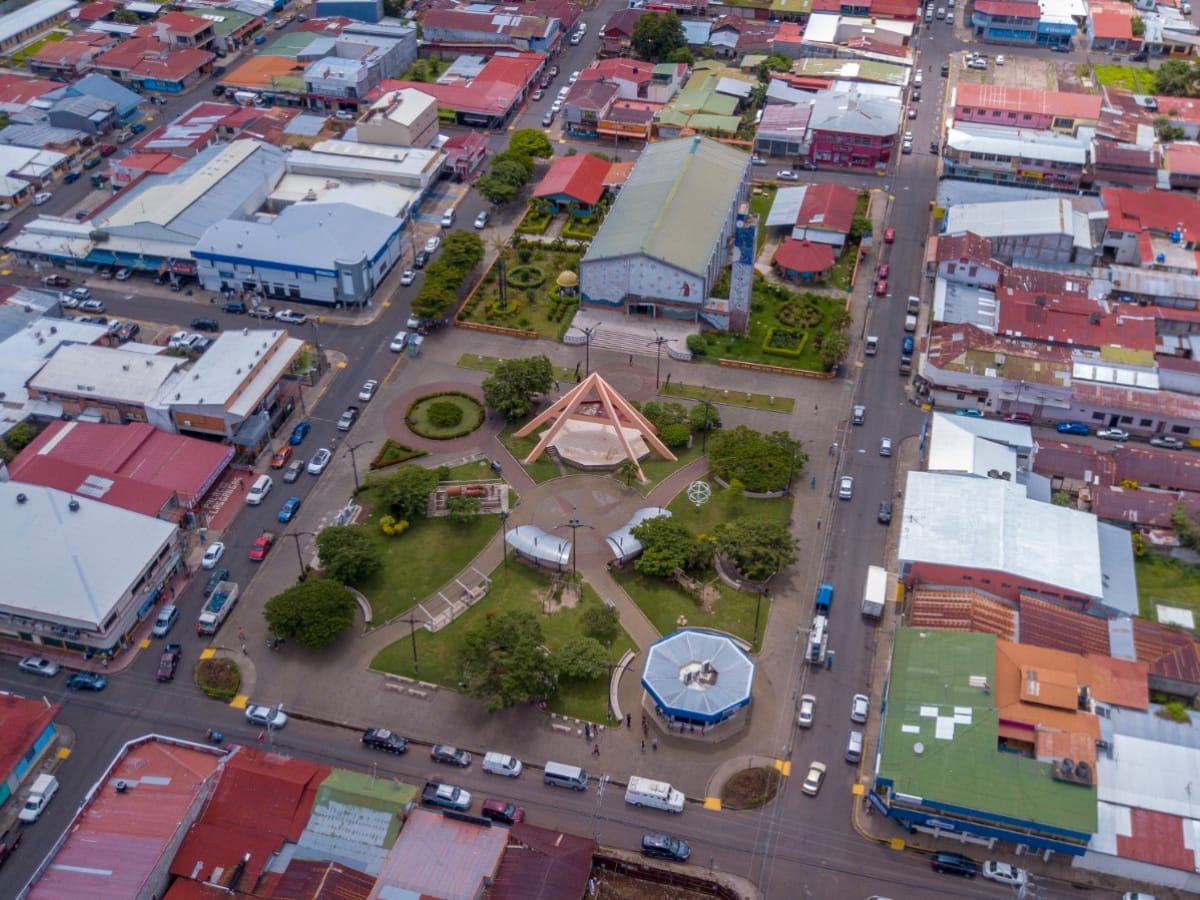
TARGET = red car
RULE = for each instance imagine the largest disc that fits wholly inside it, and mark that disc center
(262, 546)
(108, 149)
(889, 236)
(884, 270)
(881, 287)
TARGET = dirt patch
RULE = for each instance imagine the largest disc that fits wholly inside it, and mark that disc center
(559, 595)
(750, 788)
(614, 886)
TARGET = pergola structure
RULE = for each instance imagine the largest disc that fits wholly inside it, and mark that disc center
(596, 427)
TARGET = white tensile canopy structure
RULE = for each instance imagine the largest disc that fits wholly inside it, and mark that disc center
(595, 427)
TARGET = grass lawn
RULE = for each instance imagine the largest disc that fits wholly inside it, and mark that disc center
(420, 561)
(421, 420)
(725, 506)
(726, 398)
(530, 309)
(664, 602)
(761, 198)
(516, 588)
(489, 364)
(766, 304)
(1168, 581)
(1133, 78)
(541, 469)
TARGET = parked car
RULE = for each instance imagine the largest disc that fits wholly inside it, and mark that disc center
(431, 245)
(320, 460)
(262, 546)
(299, 433)
(787, 175)
(56, 281)
(270, 716)
(884, 271)
(1113, 434)
(885, 512)
(444, 753)
(954, 864)
(889, 235)
(168, 616)
(858, 414)
(123, 274)
(382, 739)
(503, 811)
(38, 665)
(205, 325)
(812, 781)
(212, 555)
(885, 446)
(288, 511)
(87, 681)
(808, 709)
(420, 260)
(281, 457)
(881, 287)
(290, 317)
(407, 277)
(169, 662)
(846, 487)
(42, 198)
(368, 390)
(1072, 428)
(236, 307)
(92, 306)
(108, 149)
(219, 574)
(1165, 440)
(262, 311)
(970, 413)
(481, 220)
(292, 472)
(399, 342)
(663, 846)
(860, 705)
(1002, 871)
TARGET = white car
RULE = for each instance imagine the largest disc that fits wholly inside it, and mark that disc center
(481, 220)
(812, 781)
(808, 708)
(43, 197)
(368, 390)
(399, 342)
(407, 277)
(123, 275)
(787, 175)
(859, 707)
(431, 245)
(885, 446)
(38, 666)
(1004, 873)
(1113, 434)
(320, 460)
(556, 106)
(178, 339)
(1000, 59)
(212, 555)
(846, 487)
(291, 317)
(574, 77)
(271, 716)
(908, 136)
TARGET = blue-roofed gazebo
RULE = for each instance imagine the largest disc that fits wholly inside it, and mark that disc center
(698, 677)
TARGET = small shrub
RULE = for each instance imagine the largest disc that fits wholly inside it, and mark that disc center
(697, 344)
(393, 453)
(218, 677)
(392, 527)
(675, 435)
(525, 276)
(444, 414)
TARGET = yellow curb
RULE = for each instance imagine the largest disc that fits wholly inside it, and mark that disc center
(63, 752)
(208, 653)
(713, 803)
(783, 767)
(239, 702)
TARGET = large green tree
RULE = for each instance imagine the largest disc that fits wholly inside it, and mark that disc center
(314, 613)
(406, 490)
(834, 347)
(667, 545)
(1176, 78)
(503, 661)
(656, 35)
(497, 189)
(532, 142)
(601, 621)
(761, 462)
(348, 555)
(582, 658)
(511, 387)
(462, 250)
(759, 548)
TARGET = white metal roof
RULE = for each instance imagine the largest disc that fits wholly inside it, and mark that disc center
(219, 377)
(72, 565)
(105, 373)
(987, 523)
(1019, 143)
(956, 445)
(26, 351)
(1048, 215)
(26, 19)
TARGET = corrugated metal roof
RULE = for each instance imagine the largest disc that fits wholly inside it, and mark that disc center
(675, 205)
(540, 863)
(441, 857)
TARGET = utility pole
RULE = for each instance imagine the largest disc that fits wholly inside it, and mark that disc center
(658, 342)
(354, 460)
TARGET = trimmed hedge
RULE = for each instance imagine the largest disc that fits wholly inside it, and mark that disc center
(781, 342)
(470, 423)
(393, 453)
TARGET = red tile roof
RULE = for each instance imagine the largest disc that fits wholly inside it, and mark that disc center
(620, 24)
(1146, 509)
(805, 257)
(468, 22)
(828, 207)
(1170, 653)
(620, 69)
(182, 23)
(1160, 211)
(965, 247)
(1185, 108)
(1160, 468)
(1183, 158)
(1008, 8)
(1074, 460)
(1110, 24)
(494, 89)
(16, 92)
(580, 178)
(1157, 838)
(94, 12)
(1027, 100)
(1067, 320)
(541, 862)
(895, 9)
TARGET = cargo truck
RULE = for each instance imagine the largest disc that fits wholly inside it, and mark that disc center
(875, 593)
(224, 598)
(656, 794)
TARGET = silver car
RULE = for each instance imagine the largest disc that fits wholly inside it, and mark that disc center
(319, 461)
(39, 666)
(846, 487)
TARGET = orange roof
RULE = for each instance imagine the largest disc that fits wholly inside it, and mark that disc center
(1185, 108)
(580, 177)
(1182, 157)
(1039, 688)
(1027, 100)
(1111, 23)
(260, 71)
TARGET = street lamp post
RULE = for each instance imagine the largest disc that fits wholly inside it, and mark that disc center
(658, 342)
(708, 408)
(412, 630)
(354, 460)
(504, 538)
(574, 524)
(296, 535)
(762, 592)
(587, 347)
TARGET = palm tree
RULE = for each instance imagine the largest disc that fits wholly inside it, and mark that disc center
(628, 469)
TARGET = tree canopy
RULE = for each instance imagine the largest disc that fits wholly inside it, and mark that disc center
(406, 491)
(759, 548)
(657, 35)
(531, 142)
(348, 555)
(503, 662)
(761, 462)
(314, 613)
(582, 658)
(1176, 78)
(510, 389)
(667, 545)
(601, 621)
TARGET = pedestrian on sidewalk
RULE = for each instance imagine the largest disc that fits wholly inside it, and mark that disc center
(813, 482)
(645, 725)
(631, 359)
(643, 745)
(829, 660)
(818, 523)
(595, 749)
(816, 407)
(628, 720)
(241, 634)
(654, 745)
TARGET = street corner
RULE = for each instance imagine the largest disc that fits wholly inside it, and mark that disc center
(240, 701)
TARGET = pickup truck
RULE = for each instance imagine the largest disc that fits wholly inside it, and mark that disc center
(446, 796)
(223, 600)
(169, 662)
(348, 418)
(262, 546)
(8, 843)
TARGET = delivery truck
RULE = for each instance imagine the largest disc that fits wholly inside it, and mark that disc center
(655, 794)
(217, 608)
(875, 592)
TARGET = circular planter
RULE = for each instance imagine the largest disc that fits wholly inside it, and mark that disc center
(420, 422)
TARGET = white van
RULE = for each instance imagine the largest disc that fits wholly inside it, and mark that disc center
(448, 219)
(562, 775)
(259, 490)
(502, 764)
(910, 323)
(43, 791)
(167, 617)
(657, 794)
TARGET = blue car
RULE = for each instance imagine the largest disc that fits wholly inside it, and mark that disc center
(87, 681)
(299, 433)
(1072, 428)
(971, 413)
(288, 511)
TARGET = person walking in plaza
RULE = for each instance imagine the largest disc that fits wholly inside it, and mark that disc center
(595, 749)
(643, 745)
(654, 745)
